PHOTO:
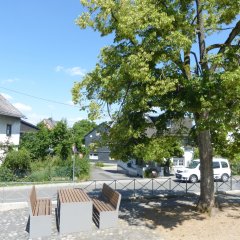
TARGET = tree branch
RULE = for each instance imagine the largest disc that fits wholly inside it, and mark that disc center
(219, 45)
(232, 35)
(197, 64)
(219, 29)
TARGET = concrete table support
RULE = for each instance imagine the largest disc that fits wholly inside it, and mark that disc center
(74, 211)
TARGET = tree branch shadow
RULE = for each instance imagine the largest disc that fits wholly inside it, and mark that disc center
(168, 212)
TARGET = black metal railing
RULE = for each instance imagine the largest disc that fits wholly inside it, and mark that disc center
(18, 192)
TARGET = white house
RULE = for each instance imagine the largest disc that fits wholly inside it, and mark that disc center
(10, 121)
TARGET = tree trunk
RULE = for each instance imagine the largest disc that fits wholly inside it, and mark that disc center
(206, 201)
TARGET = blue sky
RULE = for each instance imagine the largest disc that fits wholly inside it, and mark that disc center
(42, 53)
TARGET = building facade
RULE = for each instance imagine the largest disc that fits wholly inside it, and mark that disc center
(100, 153)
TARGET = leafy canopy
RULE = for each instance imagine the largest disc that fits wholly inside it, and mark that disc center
(160, 58)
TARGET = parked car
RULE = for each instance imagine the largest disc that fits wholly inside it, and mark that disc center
(221, 171)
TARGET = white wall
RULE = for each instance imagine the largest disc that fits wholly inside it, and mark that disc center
(15, 122)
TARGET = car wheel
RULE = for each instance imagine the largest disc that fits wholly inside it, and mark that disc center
(225, 177)
(193, 179)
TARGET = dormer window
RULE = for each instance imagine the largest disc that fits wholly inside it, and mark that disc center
(9, 130)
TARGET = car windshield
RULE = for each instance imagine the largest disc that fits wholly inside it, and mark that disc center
(193, 164)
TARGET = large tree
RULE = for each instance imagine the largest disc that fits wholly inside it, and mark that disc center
(181, 56)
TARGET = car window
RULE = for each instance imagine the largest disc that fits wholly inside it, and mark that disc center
(216, 165)
(224, 165)
(193, 164)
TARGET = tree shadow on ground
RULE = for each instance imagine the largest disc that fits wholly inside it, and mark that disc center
(169, 212)
(227, 200)
(165, 211)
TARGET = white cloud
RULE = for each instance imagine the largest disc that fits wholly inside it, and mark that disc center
(70, 102)
(59, 68)
(8, 97)
(9, 80)
(22, 107)
(74, 71)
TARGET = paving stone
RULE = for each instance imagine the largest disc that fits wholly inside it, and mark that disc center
(13, 227)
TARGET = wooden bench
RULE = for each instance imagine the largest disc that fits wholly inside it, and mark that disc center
(40, 215)
(106, 207)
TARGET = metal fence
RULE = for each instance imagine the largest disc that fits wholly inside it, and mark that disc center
(129, 188)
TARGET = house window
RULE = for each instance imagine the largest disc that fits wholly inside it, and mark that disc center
(93, 156)
(178, 162)
(9, 130)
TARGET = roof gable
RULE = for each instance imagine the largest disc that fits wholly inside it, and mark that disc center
(7, 109)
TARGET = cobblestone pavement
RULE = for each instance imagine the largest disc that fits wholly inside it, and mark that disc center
(138, 219)
(13, 226)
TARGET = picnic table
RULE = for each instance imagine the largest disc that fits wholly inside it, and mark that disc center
(74, 211)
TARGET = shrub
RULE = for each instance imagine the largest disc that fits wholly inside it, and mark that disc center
(39, 176)
(82, 167)
(6, 175)
(99, 164)
(18, 162)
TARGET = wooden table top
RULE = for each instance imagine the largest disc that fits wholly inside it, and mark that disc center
(69, 195)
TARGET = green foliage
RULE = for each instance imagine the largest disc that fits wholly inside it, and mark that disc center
(82, 167)
(162, 148)
(150, 65)
(79, 130)
(166, 55)
(60, 139)
(18, 162)
(6, 175)
(235, 165)
(38, 142)
(99, 164)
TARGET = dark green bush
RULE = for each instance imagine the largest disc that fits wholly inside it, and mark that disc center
(6, 175)
(18, 162)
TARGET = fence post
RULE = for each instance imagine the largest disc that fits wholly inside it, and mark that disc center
(186, 187)
(152, 186)
(115, 184)
(170, 186)
(231, 182)
(216, 186)
(134, 188)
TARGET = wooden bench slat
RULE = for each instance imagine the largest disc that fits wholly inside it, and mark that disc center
(102, 206)
(41, 206)
(108, 202)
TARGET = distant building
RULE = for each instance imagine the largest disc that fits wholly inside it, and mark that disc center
(27, 127)
(172, 128)
(100, 153)
(49, 123)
